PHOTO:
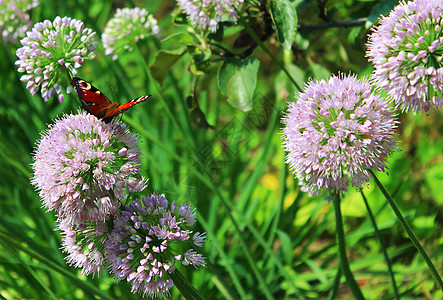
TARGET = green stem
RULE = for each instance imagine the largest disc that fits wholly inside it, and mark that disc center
(344, 263)
(232, 275)
(262, 45)
(287, 56)
(383, 249)
(336, 284)
(185, 288)
(408, 230)
(228, 206)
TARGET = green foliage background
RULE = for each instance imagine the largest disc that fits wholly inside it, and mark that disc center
(268, 240)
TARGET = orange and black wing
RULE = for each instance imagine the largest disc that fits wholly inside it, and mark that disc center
(92, 100)
(96, 103)
(115, 110)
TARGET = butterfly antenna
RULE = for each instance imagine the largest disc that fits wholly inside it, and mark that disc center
(113, 94)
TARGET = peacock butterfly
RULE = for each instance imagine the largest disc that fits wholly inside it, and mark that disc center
(97, 104)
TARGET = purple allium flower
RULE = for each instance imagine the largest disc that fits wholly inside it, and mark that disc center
(14, 21)
(128, 26)
(83, 167)
(84, 244)
(199, 239)
(206, 14)
(337, 130)
(51, 54)
(141, 248)
(406, 50)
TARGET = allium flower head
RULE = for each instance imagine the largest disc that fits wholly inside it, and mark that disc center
(206, 14)
(51, 51)
(407, 51)
(83, 167)
(336, 131)
(142, 247)
(128, 26)
(84, 244)
(14, 21)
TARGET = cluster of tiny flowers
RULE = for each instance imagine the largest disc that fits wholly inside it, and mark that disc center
(336, 131)
(207, 14)
(14, 21)
(140, 247)
(52, 52)
(83, 168)
(407, 51)
(84, 245)
(128, 26)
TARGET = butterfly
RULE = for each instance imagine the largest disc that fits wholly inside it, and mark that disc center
(97, 104)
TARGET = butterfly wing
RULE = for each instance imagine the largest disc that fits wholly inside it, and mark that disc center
(92, 100)
(96, 103)
(114, 110)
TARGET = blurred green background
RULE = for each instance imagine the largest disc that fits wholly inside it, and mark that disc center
(267, 238)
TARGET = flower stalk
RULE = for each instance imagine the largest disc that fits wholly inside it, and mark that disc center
(344, 263)
(409, 231)
(185, 287)
(383, 249)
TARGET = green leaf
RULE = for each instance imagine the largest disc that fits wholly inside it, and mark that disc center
(180, 19)
(163, 62)
(424, 222)
(237, 79)
(319, 72)
(284, 87)
(200, 60)
(434, 178)
(286, 247)
(353, 37)
(301, 42)
(382, 8)
(284, 16)
(181, 38)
